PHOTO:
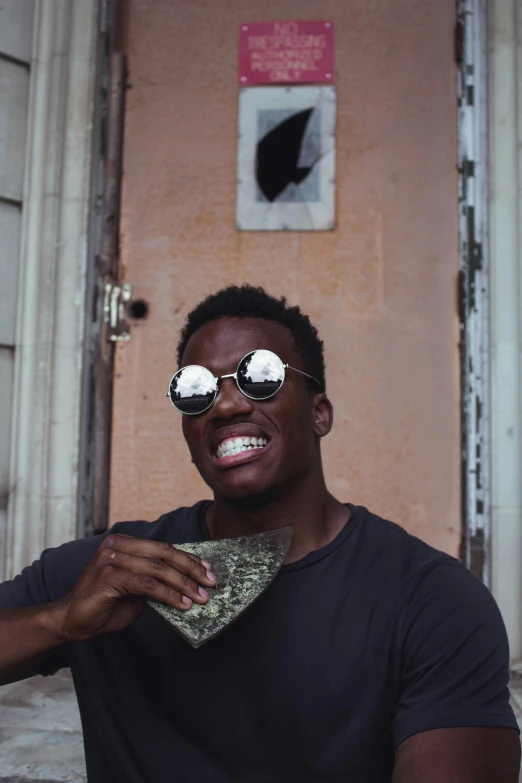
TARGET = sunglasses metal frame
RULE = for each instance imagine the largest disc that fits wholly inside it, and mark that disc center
(234, 376)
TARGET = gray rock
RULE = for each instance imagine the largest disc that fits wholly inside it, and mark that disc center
(244, 568)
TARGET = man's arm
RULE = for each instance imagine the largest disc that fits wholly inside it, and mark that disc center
(108, 597)
(459, 755)
(28, 636)
(453, 721)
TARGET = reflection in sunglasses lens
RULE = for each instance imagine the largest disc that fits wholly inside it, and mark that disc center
(260, 374)
(192, 389)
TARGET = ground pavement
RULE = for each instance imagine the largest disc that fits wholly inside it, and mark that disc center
(40, 731)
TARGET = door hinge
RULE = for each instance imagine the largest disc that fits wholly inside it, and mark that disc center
(116, 297)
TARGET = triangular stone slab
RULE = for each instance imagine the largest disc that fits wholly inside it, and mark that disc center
(244, 568)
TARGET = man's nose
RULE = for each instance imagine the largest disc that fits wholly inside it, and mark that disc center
(230, 401)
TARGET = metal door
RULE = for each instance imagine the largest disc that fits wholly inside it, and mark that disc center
(381, 287)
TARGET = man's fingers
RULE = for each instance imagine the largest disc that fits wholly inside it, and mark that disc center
(186, 563)
(143, 585)
(157, 572)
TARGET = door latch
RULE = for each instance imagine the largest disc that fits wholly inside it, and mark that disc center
(116, 296)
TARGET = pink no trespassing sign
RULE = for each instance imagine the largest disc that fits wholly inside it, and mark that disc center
(286, 52)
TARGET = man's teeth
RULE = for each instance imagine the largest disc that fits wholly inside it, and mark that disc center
(237, 445)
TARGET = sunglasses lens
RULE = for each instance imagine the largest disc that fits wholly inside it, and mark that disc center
(192, 389)
(260, 374)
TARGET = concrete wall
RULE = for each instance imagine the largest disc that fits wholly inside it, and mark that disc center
(51, 272)
(381, 287)
(16, 23)
(505, 130)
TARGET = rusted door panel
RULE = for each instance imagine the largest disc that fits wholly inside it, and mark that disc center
(381, 287)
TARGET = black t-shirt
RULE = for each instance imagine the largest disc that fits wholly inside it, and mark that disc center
(351, 650)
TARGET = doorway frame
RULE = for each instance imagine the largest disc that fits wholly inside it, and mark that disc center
(104, 271)
(471, 55)
(489, 57)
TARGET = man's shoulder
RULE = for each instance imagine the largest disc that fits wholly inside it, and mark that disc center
(425, 589)
(384, 535)
(179, 526)
(402, 557)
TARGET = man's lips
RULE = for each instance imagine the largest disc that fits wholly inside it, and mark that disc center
(249, 455)
(237, 444)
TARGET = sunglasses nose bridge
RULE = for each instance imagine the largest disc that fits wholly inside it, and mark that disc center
(229, 398)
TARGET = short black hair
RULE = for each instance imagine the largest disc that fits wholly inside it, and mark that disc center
(248, 301)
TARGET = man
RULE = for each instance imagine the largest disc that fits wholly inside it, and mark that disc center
(371, 658)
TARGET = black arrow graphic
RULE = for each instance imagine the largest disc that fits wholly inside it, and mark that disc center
(277, 155)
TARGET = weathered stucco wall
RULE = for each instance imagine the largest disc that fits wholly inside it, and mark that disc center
(381, 287)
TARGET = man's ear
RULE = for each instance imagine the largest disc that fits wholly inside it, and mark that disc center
(323, 414)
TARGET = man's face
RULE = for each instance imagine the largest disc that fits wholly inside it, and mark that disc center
(291, 421)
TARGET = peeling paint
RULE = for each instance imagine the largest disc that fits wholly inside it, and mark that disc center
(473, 286)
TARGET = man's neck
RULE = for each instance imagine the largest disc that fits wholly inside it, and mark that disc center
(316, 516)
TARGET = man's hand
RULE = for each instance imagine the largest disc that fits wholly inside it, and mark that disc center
(109, 595)
(459, 755)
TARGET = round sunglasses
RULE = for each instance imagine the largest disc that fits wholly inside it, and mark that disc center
(259, 375)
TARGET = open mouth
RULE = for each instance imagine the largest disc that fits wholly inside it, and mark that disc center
(238, 445)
